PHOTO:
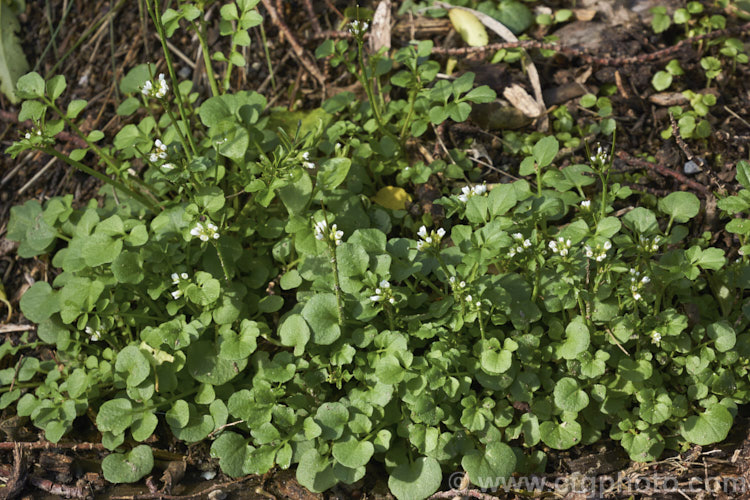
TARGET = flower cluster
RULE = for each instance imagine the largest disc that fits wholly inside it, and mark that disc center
(650, 245)
(586, 205)
(176, 278)
(358, 28)
(383, 293)
(205, 233)
(431, 240)
(521, 244)
(636, 283)
(467, 192)
(32, 132)
(94, 335)
(322, 231)
(598, 253)
(655, 337)
(159, 152)
(456, 284)
(600, 158)
(307, 163)
(158, 89)
(473, 304)
(561, 246)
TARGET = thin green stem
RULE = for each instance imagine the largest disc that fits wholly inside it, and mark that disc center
(367, 84)
(156, 18)
(200, 30)
(336, 282)
(179, 132)
(268, 56)
(112, 182)
(221, 261)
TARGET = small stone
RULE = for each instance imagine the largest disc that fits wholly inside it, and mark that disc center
(691, 168)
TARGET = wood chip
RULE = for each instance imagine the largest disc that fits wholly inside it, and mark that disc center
(380, 34)
(521, 100)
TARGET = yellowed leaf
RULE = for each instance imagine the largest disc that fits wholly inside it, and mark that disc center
(469, 27)
(392, 197)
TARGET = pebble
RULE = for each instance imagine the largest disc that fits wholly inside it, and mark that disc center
(691, 168)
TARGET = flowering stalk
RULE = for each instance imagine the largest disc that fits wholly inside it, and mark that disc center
(332, 235)
(156, 18)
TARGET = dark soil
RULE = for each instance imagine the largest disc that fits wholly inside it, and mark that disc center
(94, 56)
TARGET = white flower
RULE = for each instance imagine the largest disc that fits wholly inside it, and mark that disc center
(27, 135)
(467, 192)
(607, 245)
(469, 298)
(168, 166)
(94, 335)
(158, 90)
(385, 284)
(309, 165)
(176, 294)
(586, 204)
(636, 296)
(517, 236)
(589, 252)
(358, 27)
(376, 298)
(655, 337)
(336, 235)
(462, 284)
(184, 276)
(452, 280)
(526, 243)
(159, 152)
(175, 278)
(392, 300)
(431, 240)
(306, 155)
(645, 280)
(205, 233)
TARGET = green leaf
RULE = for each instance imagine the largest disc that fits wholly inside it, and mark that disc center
(480, 95)
(569, 396)
(333, 172)
(641, 220)
(232, 451)
(128, 467)
(13, 62)
(321, 313)
(711, 426)
(661, 80)
(353, 453)
(132, 362)
(143, 427)
(743, 173)
(415, 480)
(314, 472)
(236, 346)
(680, 205)
(352, 259)
(30, 85)
(577, 338)
(332, 419)
(115, 416)
(39, 302)
(545, 150)
(501, 199)
(498, 462)
(206, 366)
(723, 335)
(56, 86)
(608, 227)
(644, 446)
(128, 268)
(294, 332)
(179, 415)
(560, 436)
(296, 196)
